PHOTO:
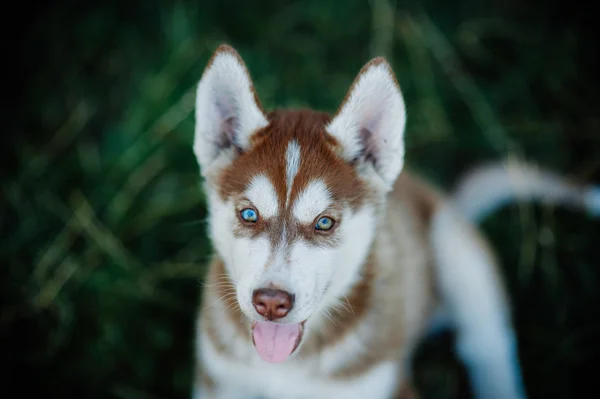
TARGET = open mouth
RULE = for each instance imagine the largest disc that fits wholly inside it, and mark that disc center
(276, 342)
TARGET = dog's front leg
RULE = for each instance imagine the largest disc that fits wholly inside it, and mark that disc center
(477, 307)
(204, 386)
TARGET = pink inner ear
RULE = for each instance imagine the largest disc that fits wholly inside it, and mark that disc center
(228, 135)
(369, 146)
(229, 127)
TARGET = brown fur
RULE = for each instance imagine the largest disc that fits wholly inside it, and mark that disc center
(218, 301)
(267, 156)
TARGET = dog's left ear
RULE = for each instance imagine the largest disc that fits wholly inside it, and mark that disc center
(369, 125)
(227, 110)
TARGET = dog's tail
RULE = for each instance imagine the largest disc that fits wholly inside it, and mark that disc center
(489, 187)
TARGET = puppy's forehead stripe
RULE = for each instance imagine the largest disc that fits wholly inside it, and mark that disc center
(314, 199)
(292, 164)
(262, 194)
(291, 152)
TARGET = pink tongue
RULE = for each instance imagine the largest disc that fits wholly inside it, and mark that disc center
(275, 342)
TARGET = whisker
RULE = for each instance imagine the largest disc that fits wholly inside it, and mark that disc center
(339, 311)
(330, 319)
(328, 312)
(243, 317)
(349, 304)
(232, 306)
(211, 304)
(219, 284)
(226, 297)
(347, 307)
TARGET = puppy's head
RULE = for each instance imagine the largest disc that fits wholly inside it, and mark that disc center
(293, 195)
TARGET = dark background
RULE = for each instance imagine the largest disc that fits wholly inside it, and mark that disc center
(103, 241)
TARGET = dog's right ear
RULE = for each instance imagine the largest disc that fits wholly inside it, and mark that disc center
(227, 110)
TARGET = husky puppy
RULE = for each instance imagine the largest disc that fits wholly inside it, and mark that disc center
(332, 260)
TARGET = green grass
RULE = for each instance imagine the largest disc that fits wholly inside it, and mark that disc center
(103, 218)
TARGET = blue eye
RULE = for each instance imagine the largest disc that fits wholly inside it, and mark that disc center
(324, 223)
(249, 215)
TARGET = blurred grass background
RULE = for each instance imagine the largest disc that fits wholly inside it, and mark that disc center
(103, 221)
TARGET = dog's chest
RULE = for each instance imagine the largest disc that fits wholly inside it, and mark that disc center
(251, 378)
(302, 383)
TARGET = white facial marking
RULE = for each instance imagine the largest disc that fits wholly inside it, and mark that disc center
(262, 194)
(221, 219)
(351, 253)
(308, 275)
(292, 164)
(313, 200)
(250, 257)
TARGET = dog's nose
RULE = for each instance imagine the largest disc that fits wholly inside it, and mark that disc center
(272, 303)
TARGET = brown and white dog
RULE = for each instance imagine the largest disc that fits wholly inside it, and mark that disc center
(331, 261)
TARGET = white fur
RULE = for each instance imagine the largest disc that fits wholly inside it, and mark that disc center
(288, 380)
(244, 258)
(476, 306)
(487, 188)
(305, 270)
(375, 104)
(248, 265)
(261, 193)
(310, 269)
(292, 164)
(314, 199)
(352, 250)
(221, 219)
(224, 92)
